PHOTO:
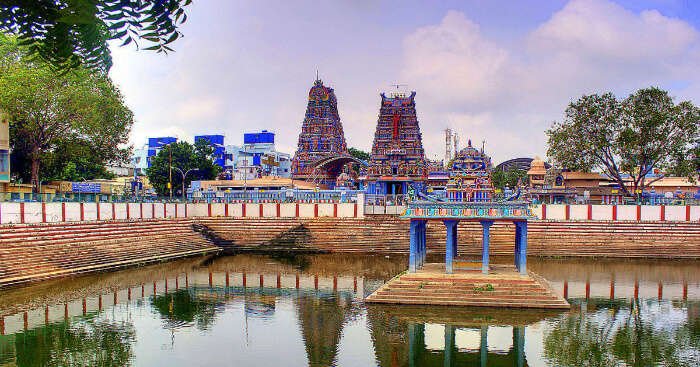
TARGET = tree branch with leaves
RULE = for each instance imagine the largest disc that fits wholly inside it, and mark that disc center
(69, 33)
(626, 139)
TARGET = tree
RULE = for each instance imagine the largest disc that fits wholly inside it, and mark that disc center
(359, 154)
(501, 178)
(68, 33)
(626, 139)
(185, 156)
(50, 112)
(88, 341)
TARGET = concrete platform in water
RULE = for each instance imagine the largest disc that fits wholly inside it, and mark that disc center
(503, 286)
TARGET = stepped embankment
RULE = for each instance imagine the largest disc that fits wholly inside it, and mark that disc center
(384, 234)
(31, 252)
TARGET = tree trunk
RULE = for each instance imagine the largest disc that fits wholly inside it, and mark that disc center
(34, 156)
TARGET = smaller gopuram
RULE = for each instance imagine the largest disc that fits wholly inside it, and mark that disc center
(321, 151)
(470, 176)
(397, 160)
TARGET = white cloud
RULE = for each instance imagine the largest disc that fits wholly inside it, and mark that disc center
(509, 95)
(242, 67)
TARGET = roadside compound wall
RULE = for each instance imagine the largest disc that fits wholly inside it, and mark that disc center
(14, 213)
(644, 213)
(18, 213)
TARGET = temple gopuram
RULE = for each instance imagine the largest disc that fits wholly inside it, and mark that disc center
(321, 152)
(397, 160)
(470, 176)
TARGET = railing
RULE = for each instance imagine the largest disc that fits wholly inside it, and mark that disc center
(20, 197)
(276, 196)
(385, 200)
(427, 210)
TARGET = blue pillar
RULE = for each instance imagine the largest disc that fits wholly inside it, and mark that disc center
(450, 244)
(485, 242)
(516, 251)
(521, 247)
(484, 346)
(519, 345)
(449, 345)
(424, 241)
(419, 255)
(416, 344)
(413, 246)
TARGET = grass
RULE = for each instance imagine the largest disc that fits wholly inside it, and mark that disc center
(488, 287)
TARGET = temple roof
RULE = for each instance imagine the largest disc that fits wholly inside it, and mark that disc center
(537, 167)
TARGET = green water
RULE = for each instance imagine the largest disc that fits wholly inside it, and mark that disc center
(115, 319)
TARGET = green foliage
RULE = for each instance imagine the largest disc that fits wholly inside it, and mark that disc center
(185, 156)
(509, 178)
(78, 117)
(488, 287)
(69, 33)
(87, 342)
(631, 137)
(359, 154)
(69, 161)
(180, 307)
(631, 336)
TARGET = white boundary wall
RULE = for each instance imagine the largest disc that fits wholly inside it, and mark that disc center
(11, 213)
(645, 213)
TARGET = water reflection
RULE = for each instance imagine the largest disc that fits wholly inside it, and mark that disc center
(308, 310)
(442, 336)
(89, 341)
(634, 333)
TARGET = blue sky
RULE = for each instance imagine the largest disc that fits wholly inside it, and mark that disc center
(499, 71)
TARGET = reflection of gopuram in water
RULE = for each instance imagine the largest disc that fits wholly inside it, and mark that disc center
(428, 336)
(322, 320)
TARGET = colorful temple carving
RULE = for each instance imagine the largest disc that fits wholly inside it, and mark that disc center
(321, 141)
(470, 176)
(397, 160)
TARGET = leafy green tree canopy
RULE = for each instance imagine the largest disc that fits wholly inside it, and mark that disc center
(68, 33)
(52, 114)
(501, 179)
(359, 154)
(626, 139)
(185, 156)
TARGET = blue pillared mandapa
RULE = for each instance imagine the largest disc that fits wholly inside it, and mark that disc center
(451, 213)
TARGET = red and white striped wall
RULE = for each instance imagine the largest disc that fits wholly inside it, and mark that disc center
(671, 213)
(73, 212)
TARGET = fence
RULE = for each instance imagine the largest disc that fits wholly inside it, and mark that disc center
(21, 197)
(275, 196)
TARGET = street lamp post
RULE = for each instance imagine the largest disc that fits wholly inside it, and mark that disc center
(170, 173)
(184, 174)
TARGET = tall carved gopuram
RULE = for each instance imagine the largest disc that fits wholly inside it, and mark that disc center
(397, 160)
(321, 139)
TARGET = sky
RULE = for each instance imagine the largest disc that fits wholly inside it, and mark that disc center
(493, 71)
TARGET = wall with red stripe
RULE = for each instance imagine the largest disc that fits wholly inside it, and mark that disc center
(74, 212)
(651, 213)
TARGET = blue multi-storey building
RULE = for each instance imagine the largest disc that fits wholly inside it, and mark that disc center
(256, 157)
(142, 157)
(216, 142)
